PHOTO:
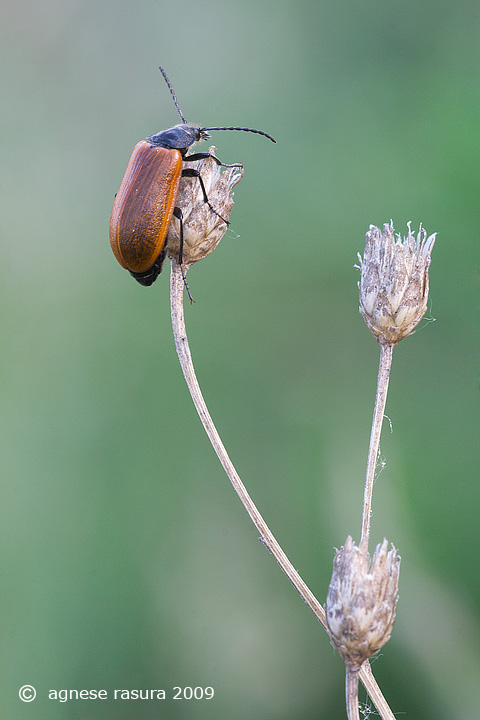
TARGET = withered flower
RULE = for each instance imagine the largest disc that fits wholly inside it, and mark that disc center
(361, 601)
(394, 281)
(202, 227)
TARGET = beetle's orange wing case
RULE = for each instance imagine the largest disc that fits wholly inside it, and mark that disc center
(144, 206)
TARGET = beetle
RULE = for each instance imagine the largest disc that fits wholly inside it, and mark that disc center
(146, 199)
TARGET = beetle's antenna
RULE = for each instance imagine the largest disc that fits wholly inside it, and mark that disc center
(172, 92)
(259, 132)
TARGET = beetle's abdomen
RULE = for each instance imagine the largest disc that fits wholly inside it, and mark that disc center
(144, 206)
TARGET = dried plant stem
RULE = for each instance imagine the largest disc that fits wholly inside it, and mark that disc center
(351, 692)
(185, 358)
(386, 353)
(371, 686)
(183, 351)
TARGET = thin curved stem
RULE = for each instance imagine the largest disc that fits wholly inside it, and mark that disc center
(184, 355)
(386, 353)
(266, 536)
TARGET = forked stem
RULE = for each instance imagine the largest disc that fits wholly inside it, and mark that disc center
(266, 536)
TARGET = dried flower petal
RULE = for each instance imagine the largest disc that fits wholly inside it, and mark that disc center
(202, 228)
(394, 281)
(361, 601)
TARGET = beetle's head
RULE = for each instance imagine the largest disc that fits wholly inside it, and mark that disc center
(178, 137)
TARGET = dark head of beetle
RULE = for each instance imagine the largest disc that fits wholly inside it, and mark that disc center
(179, 137)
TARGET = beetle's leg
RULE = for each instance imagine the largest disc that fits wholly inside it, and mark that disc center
(202, 156)
(179, 215)
(177, 212)
(190, 172)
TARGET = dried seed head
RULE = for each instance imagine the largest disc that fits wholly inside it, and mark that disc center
(394, 281)
(361, 601)
(202, 228)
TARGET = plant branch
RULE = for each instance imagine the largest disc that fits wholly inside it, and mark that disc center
(266, 536)
(184, 355)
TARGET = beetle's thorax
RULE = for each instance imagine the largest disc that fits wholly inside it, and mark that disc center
(179, 137)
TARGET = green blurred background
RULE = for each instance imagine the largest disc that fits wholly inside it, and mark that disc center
(126, 559)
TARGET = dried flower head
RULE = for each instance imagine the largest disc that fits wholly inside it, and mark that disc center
(394, 281)
(202, 228)
(361, 601)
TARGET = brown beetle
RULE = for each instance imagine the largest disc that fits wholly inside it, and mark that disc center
(145, 202)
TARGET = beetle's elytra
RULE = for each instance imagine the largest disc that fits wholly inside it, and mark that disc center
(143, 209)
(146, 200)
